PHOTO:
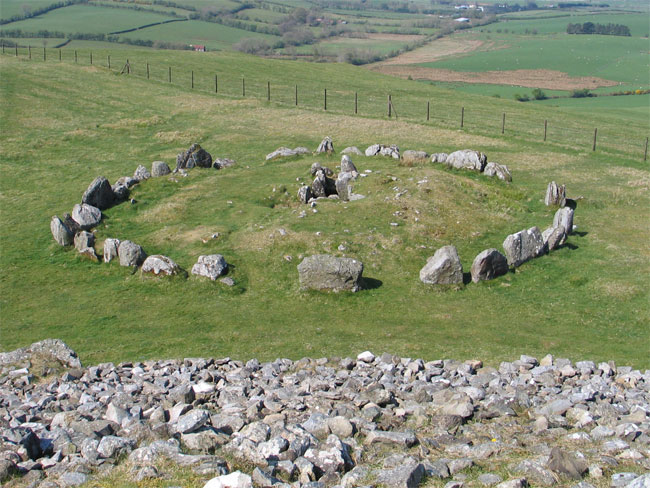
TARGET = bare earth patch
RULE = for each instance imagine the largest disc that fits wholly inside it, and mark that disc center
(433, 51)
(531, 78)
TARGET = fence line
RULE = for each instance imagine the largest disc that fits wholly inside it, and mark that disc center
(347, 102)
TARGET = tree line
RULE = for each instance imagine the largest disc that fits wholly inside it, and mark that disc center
(602, 29)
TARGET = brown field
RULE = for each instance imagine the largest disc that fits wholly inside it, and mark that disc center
(531, 78)
(433, 51)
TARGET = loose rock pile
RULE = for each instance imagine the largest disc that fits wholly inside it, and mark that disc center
(100, 195)
(473, 160)
(313, 423)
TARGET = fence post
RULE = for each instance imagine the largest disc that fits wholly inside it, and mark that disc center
(390, 106)
(59, 55)
(296, 95)
(91, 57)
(243, 87)
(108, 59)
(356, 103)
(147, 70)
(545, 124)
(3, 48)
(268, 91)
(427, 111)
(29, 50)
(44, 55)
(75, 55)
(325, 99)
(16, 46)
(462, 117)
(192, 79)
(170, 74)
(503, 124)
(645, 154)
(216, 83)
(595, 134)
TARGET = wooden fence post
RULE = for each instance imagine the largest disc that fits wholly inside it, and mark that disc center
(296, 95)
(462, 117)
(595, 134)
(16, 46)
(44, 54)
(325, 99)
(216, 83)
(109, 61)
(545, 125)
(243, 87)
(170, 74)
(29, 50)
(147, 70)
(91, 57)
(75, 55)
(192, 79)
(356, 103)
(503, 124)
(390, 106)
(59, 55)
(645, 154)
(268, 91)
(3, 48)
(427, 111)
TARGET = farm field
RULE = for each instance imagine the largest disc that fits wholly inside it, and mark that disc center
(587, 300)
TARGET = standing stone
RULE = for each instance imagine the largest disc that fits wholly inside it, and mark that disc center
(316, 167)
(86, 216)
(564, 218)
(160, 265)
(159, 168)
(554, 237)
(99, 194)
(83, 240)
(467, 159)
(343, 187)
(110, 249)
(304, 194)
(411, 156)
(439, 158)
(524, 246)
(325, 272)
(488, 265)
(347, 166)
(323, 186)
(501, 171)
(555, 195)
(141, 173)
(130, 254)
(211, 266)
(326, 146)
(443, 268)
(62, 235)
(194, 156)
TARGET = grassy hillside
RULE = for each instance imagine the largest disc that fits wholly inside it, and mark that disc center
(62, 125)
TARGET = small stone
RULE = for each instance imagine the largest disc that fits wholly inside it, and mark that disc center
(211, 266)
(159, 168)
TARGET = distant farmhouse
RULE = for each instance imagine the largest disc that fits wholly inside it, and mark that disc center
(198, 48)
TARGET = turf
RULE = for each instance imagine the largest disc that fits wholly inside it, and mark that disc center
(62, 125)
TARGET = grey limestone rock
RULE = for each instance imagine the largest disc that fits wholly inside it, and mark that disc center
(130, 254)
(325, 272)
(194, 156)
(467, 159)
(111, 249)
(281, 152)
(343, 187)
(565, 463)
(411, 156)
(160, 265)
(564, 218)
(347, 166)
(373, 150)
(211, 266)
(555, 194)
(60, 232)
(99, 194)
(391, 151)
(326, 146)
(443, 268)
(352, 150)
(316, 167)
(501, 171)
(86, 216)
(141, 173)
(159, 168)
(439, 158)
(524, 246)
(406, 476)
(554, 237)
(222, 163)
(488, 265)
(192, 421)
(304, 194)
(83, 240)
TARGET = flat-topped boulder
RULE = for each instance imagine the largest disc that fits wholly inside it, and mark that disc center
(524, 246)
(325, 272)
(443, 268)
(158, 264)
(159, 168)
(285, 152)
(411, 156)
(86, 216)
(467, 159)
(211, 266)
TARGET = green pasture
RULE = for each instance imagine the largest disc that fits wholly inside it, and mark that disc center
(638, 23)
(341, 46)
(621, 59)
(624, 108)
(490, 90)
(263, 15)
(9, 8)
(68, 124)
(87, 19)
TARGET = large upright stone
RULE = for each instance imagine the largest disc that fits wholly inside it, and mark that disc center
(304, 194)
(564, 218)
(555, 194)
(110, 249)
(554, 237)
(325, 272)
(343, 187)
(62, 235)
(443, 268)
(211, 266)
(347, 166)
(86, 216)
(467, 159)
(326, 146)
(160, 265)
(130, 254)
(83, 240)
(323, 186)
(99, 194)
(524, 246)
(488, 265)
(194, 156)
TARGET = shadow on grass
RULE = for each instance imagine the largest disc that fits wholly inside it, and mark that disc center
(467, 278)
(370, 283)
(580, 234)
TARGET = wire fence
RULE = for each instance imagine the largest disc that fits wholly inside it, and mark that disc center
(627, 140)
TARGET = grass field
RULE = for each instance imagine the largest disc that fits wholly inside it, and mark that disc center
(587, 300)
(9, 8)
